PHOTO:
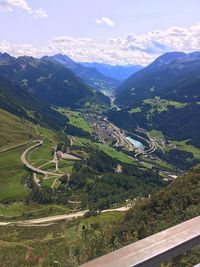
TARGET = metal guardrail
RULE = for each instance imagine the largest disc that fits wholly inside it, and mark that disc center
(155, 249)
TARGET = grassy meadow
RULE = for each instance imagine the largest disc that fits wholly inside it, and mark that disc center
(15, 131)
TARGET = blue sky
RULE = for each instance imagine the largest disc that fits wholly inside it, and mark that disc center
(112, 31)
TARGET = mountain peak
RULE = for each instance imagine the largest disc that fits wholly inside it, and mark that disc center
(168, 58)
(5, 57)
(61, 56)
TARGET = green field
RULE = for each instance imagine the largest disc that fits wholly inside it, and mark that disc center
(136, 110)
(65, 166)
(156, 134)
(162, 104)
(76, 119)
(116, 154)
(51, 166)
(20, 210)
(185, 147)
(11, 171)
(47, 133)
(49, 182)
(42, 154)
(105, 148)
(14, 131)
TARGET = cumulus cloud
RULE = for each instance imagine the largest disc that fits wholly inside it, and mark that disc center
(11, 5)
(161, 41)
(105, 20)
(134, 49)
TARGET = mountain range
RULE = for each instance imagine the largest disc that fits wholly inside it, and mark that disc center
(174, 76)
(49, 82)
(22, 103)
(117, 72)
(164, 96)
(89, 74)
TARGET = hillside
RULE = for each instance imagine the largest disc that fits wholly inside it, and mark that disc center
(20, 102)
(174, 76)
(14, 130)
(117, 72)
(49, 82)
(179, 202)
(164, 97)
(176, 120)
(89, 74)
(70, 242)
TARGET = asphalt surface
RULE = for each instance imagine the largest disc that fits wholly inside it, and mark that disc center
(31, 167)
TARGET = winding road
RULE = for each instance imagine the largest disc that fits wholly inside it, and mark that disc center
(31, 167)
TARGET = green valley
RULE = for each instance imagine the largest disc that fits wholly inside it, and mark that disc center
(82, 174)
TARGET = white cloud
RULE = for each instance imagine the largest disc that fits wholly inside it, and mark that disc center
(11, 5)
(134, 49)
(161, 41)
(105, 20)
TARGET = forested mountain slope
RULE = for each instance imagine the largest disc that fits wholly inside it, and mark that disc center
(89, 74)
(49, 82)
(174, 76)
(20, 102)
(178, 202)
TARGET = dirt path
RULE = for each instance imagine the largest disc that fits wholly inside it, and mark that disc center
(52, 219)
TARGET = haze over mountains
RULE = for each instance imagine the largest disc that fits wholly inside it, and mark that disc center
(117, 72)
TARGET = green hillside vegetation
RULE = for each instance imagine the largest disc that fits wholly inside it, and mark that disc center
(160, 105)
(62, 244)
(50, 82)
(15, 131)
(188, 148)
(42, 154)
(69, 244)
(112, 152)
(92, 179)
(173, 76)
(21, 210)
(23, 104)
(179, 202)
(11, 171)
(76, 119)
(89, 75)
(135, 110)
(66, 166)
(156, 134)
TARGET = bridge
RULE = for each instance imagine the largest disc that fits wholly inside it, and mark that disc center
(155, 249)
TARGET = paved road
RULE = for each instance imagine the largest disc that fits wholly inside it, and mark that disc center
(52, 219)
(29, 166)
